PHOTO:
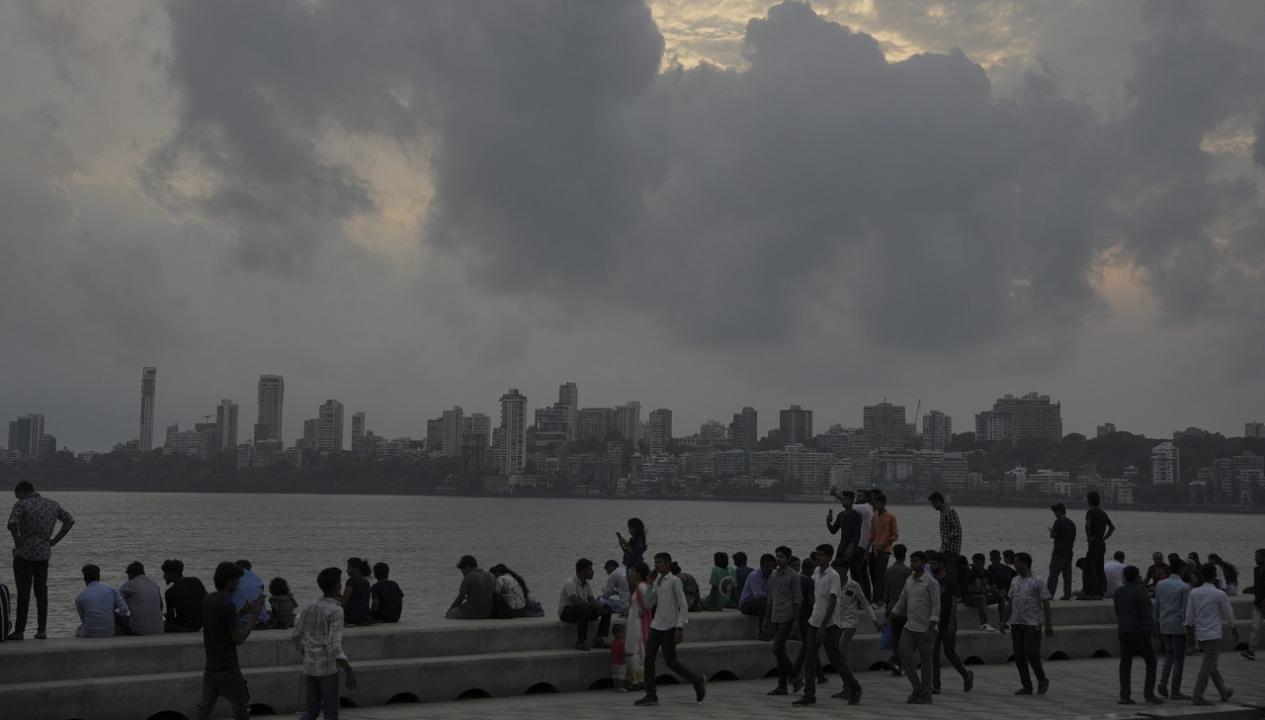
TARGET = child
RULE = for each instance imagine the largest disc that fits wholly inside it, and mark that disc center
(385, 596)
(283, 604)
(619, 671)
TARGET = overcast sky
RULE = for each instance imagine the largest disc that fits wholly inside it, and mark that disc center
(697, 205)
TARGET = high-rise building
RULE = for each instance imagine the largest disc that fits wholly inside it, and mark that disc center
(569, 398)
(1254, 430)
(357, 427)
(453, 424)
(1165, 464)
(311, 432)
(1031, 417)
(744, 433)
(329, 429)
(595, 424)
(272, 390)
(513, 435)
(796, 425)
(435, 436)
(937, 431)
(149, 384)
(25, 433)
(226, 424)
(628, 421)
(550, 429)
(659, 434)
(476, 432)
(886, 426)
(190, 443)
(1105, 429)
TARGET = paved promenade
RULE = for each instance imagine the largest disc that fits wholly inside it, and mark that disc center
(1079, 689)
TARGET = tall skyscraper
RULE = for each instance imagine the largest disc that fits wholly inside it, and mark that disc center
(885, 424)
(937, 431)
(594, 424)
(659, 434)
(1165, 464)
(25, 433)
(628, 421)
(149, 384)
(513, 435)
(357, 429)
(1031, 417)
(329, 428)
(476, 432)
(743, 430)
(272, 390)
(453, 424)
(226, 420)
(569, 397)
(796, 425)
(435, 436)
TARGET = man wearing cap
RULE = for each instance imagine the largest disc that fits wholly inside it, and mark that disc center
(474, 598)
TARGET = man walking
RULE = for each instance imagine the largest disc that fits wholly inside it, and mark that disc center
(221, 634)
(919, 604)
(1257, 639)
(1098, 529)
(318, 636)
(1029, 599)
(1207, 610)
(950, 530)
(946, 638)
(822, 629)
(671, 615)
(893, 582)
(785, 595)
(31, 523)
(883, 536)
(1171, 595)
(1063, 533)
(1134, 617)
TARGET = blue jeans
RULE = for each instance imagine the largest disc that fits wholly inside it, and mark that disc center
(1174, 659)
(321, 692)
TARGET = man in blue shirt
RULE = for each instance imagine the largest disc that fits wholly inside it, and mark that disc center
(1134, 614)
(1171, 595)
(97, 605)
(755, 590)
(249, 589)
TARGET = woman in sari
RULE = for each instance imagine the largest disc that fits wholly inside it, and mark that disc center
(638, 628)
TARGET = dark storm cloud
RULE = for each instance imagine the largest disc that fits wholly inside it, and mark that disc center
(819, 186)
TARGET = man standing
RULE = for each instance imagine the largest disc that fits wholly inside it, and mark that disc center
(184, 599)
(31, 523)
(848, 525)
(671, 615)
(1171, 595)
(859, 567)
(1098, 529)
(883, 535)
(950, 530)
(1028, 600)
(1207, 610)
(221, 634)
(1063, 533)
(318, 636)
(576, 604)
(144, 603)
(1257, 640)
(919, 604)
(1134, 615)
(785, 597)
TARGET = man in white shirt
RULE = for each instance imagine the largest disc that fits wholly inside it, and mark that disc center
(1206, 611)
(823, 629)
(1028, 601)
(1114, 570)
(919, 604)
(615, 591)
(671, 615)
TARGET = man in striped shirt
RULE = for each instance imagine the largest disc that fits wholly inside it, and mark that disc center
(318, 635)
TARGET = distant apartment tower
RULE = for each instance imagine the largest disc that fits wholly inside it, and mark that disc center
(329, 428)
(744, 432)
(513, 435)
(569, 398)
(226, 424)
(551, 427)
(796, 425)
(1031, 417)
(1165, 464)
(594, 424)
(357, 429)
(476, 432)
(659, 432)
(25, 433)
(1254, 430)
(453, 424)
(628, 421)
(149, 385)
(886, 426)
(311, 431)
(272, 390)
(937, 431)
(1105, 429)
(435, 436)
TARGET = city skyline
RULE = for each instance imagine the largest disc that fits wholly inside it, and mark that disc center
(697, 206)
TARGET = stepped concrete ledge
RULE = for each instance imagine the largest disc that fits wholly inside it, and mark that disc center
(129, 678)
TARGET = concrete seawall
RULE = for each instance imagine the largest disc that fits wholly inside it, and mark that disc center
(159, 677)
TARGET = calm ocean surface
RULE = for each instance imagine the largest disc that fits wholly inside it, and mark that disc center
(294, 536)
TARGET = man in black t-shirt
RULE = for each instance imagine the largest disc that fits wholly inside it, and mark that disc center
(184, 599)
(1098, 528)
(946, 638)
(386, 597)
(1063, 533)
(221, 634)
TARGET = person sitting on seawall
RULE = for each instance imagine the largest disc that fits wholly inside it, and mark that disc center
(722, 582)
(250, 587)
(356, 593)
(475, 596)
(1114, 571)
(98, 604)
(754, 597)
(144, 603)
(615, 591)
(184, 599)
(693, 595)
(386, 599)
(282, 603)
(577, 604)
(513, 598)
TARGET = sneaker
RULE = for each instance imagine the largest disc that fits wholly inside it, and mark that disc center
(1161, 691)
(41, 635)
(647, 701)
(856, 696)
(1024, 691)
(582, 646)
(15, 636)
(621, 688)
(804, 702)
(1200, 702)
(919, 700)
(1248, 655)
(1178, 696)
(778, 691)
(969, 682)
(1154, 700)
(842, 695)
(987, 628)
(1043, 686)
(1229, 693)
(1126, 701)
(700, 691)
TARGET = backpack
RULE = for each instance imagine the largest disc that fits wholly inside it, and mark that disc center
(5, 623)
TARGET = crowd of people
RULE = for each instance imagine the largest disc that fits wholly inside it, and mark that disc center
(868, 577)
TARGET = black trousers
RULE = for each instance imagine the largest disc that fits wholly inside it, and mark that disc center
(232, 686)
(1025, 641)
(946, 641)
(785, 669)
(859, 570)
(25, 574)
(1095, 572)
(665, 639)
(581, 615)
(1138, 644)
(829, 638)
